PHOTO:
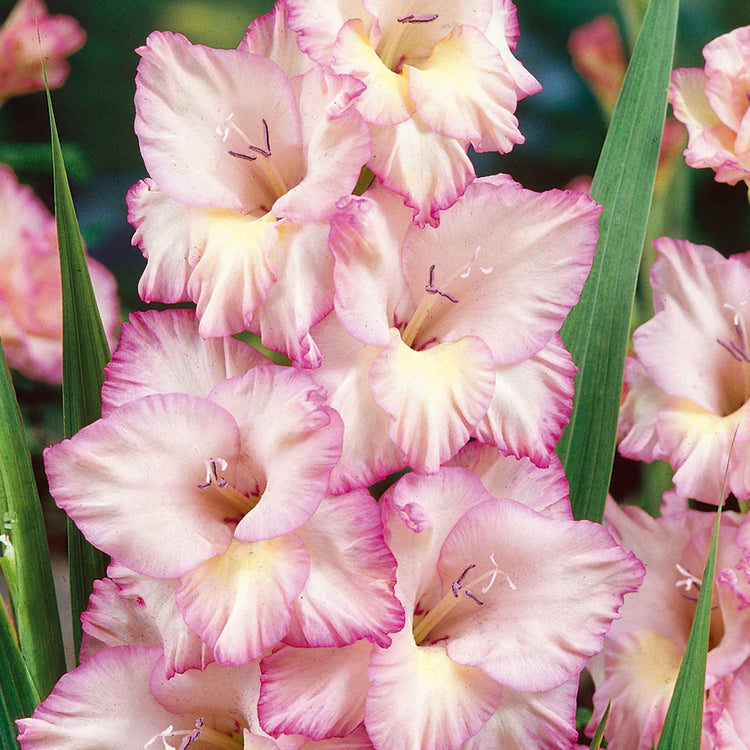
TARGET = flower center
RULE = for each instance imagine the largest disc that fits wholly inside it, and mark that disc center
(186, 737)
(260, 156)
(738, 347)
(239, 503)
(388, 49)
(460, 588)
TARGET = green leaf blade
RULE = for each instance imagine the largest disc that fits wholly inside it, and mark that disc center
(596, 331)
(26, 563)
(85, 354)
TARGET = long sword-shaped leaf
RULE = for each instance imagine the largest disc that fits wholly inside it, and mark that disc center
(25, 555)
(18, 695)
(85, 353)
(684, 720)
(596, 331)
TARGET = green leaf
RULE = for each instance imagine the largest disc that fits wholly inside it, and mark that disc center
(18, 696)
(596, 740)
(85, 353)
(596, 331)
(25, 555)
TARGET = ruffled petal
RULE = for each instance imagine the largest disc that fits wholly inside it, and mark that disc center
(153, 351)
(544, 565)
(419, 698)
(290, 443)
(368, 454)
(431, 171)
(349, 593)
(240, 602)
(543, 490)
(514, 259)
(434, 396)
(132, 482)
(106, 702)
(162, 232)
(464, 90)
(318, 692)
(531, 404)
(195, 104)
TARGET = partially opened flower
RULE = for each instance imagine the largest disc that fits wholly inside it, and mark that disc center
(20, 60)
(30, 287)
(713, 103)
(246, 164)
(438, 78)
(641, 658)
(447, 333)
(689, 383)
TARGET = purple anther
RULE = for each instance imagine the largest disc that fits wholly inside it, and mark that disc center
(455, 588)
(474, 597)
(203, 485)
(263, 151)
(740, 352)
(221, 483)
(242, 156)
(468, 568)
(430, 287)
(418, 18)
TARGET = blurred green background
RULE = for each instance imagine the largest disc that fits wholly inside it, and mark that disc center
(563, 125)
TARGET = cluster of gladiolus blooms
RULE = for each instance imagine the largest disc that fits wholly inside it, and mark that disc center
(258, 595)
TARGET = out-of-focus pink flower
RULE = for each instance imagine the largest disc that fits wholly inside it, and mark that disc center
(689, 382)
(30, 291)
(436, 81)
(714, 104)
(643, 651)
(246, 163)
(599, 58)
(20, 60)
(447, 333)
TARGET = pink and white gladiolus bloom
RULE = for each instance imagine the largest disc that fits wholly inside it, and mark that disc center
(714, 104)
(641, 658)
(246, 163)
(20, 62)
(504, 607)
(30, 290)
(438, 78)
(689, 382)
(222, 498)
(441, 334)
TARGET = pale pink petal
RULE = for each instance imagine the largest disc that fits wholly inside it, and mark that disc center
(464, 90)
(738, 700)
(546, 565)
(161, 352)
(639, 414)
(182, 648)
(542, 490)
(532, 720)
(302, 293)
(270, 36)
(349, 593)
(291, 440)
(728, 67)
(106, 702)
(684, 348)
(434, 396)
(162, 232)
(132, 482)
(195, 104)
(399, 155)
(114, 620)
(531, 404)
(336, 145)
(357, 740)
(233, 274)
(489, 252)
(239, 603)
(318, 692)
(419, 698)
(368, 454)
(365, 238)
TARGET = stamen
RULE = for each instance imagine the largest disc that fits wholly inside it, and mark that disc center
(242, 156)
(213, 465)
(456, 585)
(740, 352)
(267, 150)
(473, 264)
(418, 18)
(430, 287)
(473, 596)
(689, 581)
